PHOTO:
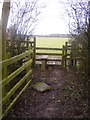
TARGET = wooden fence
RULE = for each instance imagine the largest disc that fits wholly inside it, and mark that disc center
(66, 54)
(80, 62)
(46, 53)
(14, 83)
(63, 54)
(68, 57)
(76, 61)
(18, 45)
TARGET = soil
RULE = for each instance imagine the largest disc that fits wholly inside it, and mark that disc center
(64, 100)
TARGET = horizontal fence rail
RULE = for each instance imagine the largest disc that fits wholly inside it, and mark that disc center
(7, 90)
(16, 58)
(48, 53)
(58, 52)
(12, 91)
(43, 48)
(14, 74)
(10, 106)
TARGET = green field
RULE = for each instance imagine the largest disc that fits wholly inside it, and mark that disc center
(50, 42)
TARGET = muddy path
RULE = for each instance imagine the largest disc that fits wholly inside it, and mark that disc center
(64, 100)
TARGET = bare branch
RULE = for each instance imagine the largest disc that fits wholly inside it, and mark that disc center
(25, 15)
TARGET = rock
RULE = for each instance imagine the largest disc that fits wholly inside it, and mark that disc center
(41, 86)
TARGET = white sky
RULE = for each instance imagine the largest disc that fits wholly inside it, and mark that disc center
(0, 9)
(50, 20)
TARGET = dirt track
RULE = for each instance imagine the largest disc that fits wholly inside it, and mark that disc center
(64, 100)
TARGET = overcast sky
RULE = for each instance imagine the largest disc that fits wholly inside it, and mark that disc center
(0, 9)
(51, 21)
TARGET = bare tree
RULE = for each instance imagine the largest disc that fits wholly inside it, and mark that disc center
(24, 15)
(23, 18)
(79, 29)
(78, 17)
(77, 14)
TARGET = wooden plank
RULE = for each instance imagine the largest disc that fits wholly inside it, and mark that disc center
(50, 59)
(43, 65)
(12, 103)
(14, 74)
(53, 63)
(44, 59)
(43, 48)
(15, 59)
(12, 91)
(57, 59)
(48, 54)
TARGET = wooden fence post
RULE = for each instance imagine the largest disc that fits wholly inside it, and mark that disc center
(29, 57)
(5, 88)
(5, 15)
(65, 55)
(29, 67)
(34, 50)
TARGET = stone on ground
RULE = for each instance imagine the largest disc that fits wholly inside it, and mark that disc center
(41, 86)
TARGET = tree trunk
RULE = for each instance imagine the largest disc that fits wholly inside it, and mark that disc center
(5, 15)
